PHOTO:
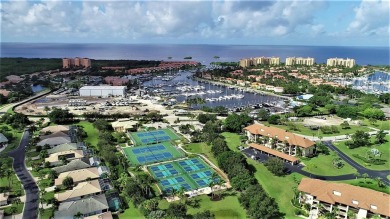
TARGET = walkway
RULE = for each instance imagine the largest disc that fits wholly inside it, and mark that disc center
(30, 210)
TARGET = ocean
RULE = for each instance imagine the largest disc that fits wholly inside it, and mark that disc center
(201, 53)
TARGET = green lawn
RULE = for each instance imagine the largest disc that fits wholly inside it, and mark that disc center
(19, 209)
(14, 143)
(92, 132)
(279, 188)
(367, 183)
(383, 148)
(232, 140)
(48, 195)
(16, 186)
(131, 212)
(307, 131)
(322, 165)
(229, 207)
(201, 148)
(46, 213)
(385, 125)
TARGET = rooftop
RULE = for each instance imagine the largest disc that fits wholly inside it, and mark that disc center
(78, 175)
(103, 88)
(280, 134)
(358, 197)
(82, 189)
(274, 152)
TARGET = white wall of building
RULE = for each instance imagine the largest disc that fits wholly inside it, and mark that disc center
(103, 91)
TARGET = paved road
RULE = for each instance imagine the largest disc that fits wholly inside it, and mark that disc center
(30, 210)
(249, 152)
(362, 170)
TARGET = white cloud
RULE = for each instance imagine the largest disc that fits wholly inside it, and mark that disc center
(144, 20)
(371, 17)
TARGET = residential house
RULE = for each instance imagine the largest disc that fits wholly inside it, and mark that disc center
(94, 205)
(4, 199)
(280, 139)
(55, 159)
(54, 141)
(62, 147)
(3, 140)
(104, 170)
(342, 198)
(105, 215)
(78, 175)
(123, 125)
(278, 89)
(82, 190)
(55, 128)
(73, 165)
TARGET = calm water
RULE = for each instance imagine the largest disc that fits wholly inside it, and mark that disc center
(201, 53)
(249, 98)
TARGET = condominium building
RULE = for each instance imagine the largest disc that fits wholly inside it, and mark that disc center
(299, 61)
(76, 62)
(344, 200)
(341, 62)
(279, 140)
(259, 61)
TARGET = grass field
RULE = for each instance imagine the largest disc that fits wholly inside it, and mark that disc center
(155, 136)
(92, 132)
(46, 213)
(279, 188)
(323, 165)
(307, 131)
(131, 212)
(19, 209)
(229, 207)
(383, 148)
(201, 148)
(367, 183)
(14, 143)
(134, 157)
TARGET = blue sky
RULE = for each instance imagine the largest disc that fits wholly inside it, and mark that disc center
(339, 23)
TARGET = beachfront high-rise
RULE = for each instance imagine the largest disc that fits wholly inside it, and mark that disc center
(259, 61)
(299, 61)
(341, 62)
(76, 62)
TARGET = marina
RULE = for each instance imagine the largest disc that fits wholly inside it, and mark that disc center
(181, 86)
(376, 83)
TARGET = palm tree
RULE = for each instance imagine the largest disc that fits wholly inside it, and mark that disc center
(351, 214)
(181, 193)
(365, 176)
(379, 181)
(41, 199)
(357, 175)
(9, 174)
(211, 185)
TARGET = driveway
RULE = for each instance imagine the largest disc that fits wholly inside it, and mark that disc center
(30, 210)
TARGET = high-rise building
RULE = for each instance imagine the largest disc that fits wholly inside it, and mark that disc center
(299, 61)
(341, 62)
(259, 61)
(76, 62)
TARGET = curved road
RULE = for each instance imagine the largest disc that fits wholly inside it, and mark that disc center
(362, 170)
(30, 210)
(298, 168)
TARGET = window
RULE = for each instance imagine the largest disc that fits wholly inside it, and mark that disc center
(374, 207)
(336, 193)
(355, 202)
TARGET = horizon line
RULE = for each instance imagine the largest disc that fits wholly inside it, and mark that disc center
(187, 44)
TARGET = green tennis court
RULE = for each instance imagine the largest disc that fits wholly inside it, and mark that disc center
(152, 153)
(152, 137)
(190, 174)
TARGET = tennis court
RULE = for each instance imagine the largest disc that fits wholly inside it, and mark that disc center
(152, 153)
(190, 174)
(152, 137)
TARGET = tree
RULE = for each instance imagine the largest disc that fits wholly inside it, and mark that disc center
(52, 174)
(379, 181)
(305, 110)
(359, 139)
(274, 119)
(385, 98)
(13, 210)
(263, 115)
(374, 113)
(203, 118)
(79, 215)
(68, 182)
(345, 125)
(275, 166)
(60, 116)
(380, 137)
(346, 111)
(218, 146)
(177, 210)
(235, 122)
(365, 176)
(102, 125)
